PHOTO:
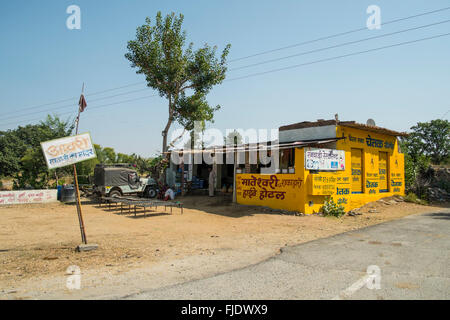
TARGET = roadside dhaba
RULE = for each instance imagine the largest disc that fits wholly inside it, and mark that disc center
(350, 162)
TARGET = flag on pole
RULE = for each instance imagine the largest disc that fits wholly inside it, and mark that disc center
(82, 103)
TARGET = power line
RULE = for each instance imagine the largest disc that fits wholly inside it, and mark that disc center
(336, 35)
(246, 57)
(113, 89)
(339, 45)
(75, 98)
(281, 69)
(74, 104)
(94, 107)
(248, 66)
(337, 57)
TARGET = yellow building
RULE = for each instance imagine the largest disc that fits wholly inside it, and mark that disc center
(353, 163)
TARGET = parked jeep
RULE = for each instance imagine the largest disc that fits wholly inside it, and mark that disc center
(119, 179)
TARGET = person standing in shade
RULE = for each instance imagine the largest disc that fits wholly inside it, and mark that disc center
(211, 180)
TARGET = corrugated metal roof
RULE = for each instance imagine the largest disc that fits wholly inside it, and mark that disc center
(260, 146)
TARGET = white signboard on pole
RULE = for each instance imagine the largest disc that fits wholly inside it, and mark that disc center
(69, 150)
(324, 159)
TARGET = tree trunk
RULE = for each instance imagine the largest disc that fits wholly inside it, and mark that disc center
(171, 144)
(164, 133)
(167, 127)
(164, 145)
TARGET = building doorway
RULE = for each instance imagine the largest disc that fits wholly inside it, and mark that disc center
(383, 171)
(357, 170)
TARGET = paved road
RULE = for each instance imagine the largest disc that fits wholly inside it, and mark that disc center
(412, 254)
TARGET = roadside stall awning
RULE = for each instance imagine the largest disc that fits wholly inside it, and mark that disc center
(258, 146)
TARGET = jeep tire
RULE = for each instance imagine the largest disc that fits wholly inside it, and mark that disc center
(115, 193)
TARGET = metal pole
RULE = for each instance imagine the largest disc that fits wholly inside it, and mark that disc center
(182, 177)
(234, 177)
(80, 215)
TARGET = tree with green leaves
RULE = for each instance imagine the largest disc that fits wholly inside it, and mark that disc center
(415, 164)
(12, 149)
(177, 72)
(234, 138)
(431, 139)
(157, 166)
(143, 165)
(109, 155)
(21, 154)
(428, 142)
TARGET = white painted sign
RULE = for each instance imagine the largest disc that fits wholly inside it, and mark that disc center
(27, 196)
(324, 159)
(69, 150)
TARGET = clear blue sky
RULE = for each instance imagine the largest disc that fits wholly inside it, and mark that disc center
(41, 61)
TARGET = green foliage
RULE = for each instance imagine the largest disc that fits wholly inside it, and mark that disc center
(62, 181)
(143, 165)
(193, 108)
(431, 139)
(85, 170)
(234, 138)
(415, 163)
(429, 142)
(331, 208)
(101, 157)
(16, 144)
(21, 154)
(444, 184)
(108, 155)
(12, 148)
(172, 68)
(412, 197)
(157, 167)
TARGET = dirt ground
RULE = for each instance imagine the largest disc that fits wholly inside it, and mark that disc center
(212, 235)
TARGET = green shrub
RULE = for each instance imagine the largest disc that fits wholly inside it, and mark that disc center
(330, 208)
(83, 179)
(443, 184)
(411, 197)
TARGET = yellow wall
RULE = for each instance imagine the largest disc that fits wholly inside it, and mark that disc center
(285, 193)
(305, 192)
(371, 172)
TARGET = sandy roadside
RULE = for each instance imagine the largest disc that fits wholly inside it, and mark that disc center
(212, 236)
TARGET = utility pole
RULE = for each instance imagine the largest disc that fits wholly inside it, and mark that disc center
(234, 174)
(182, 176)
(84, 246)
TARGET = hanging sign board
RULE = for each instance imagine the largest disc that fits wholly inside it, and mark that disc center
(69, 150)
(324, 159)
